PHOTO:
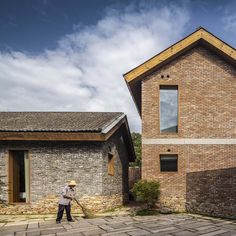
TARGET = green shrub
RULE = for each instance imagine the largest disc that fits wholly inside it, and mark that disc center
(146, 192)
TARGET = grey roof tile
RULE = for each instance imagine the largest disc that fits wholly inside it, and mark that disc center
(57, 121)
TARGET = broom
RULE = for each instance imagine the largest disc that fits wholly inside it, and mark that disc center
(86, 212)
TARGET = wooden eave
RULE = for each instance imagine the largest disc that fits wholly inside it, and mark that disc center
(52, 136)
(200, 36)
(72, 136)
(60, 135)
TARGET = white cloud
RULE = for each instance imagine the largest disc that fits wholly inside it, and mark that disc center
(85, 72)
(230, 22)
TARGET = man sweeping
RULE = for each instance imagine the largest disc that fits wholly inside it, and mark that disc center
(67, 195)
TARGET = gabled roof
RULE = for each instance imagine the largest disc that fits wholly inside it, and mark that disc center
(65, 126)
(200, 36)
(57, 121)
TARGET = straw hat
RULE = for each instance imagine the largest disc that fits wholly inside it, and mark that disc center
(72, 183)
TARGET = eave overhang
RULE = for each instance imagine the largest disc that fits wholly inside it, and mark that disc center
(201, 36)
(94, 136)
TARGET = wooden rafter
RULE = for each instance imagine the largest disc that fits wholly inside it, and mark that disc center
(200, 34)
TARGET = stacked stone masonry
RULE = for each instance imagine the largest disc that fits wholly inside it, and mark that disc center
(54, 163)
(212, 192)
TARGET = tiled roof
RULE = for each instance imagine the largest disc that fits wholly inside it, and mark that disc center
(57, 121)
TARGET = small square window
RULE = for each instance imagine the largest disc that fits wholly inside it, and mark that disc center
(169, 162)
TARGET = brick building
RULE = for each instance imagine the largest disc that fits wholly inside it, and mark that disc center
(186, 96)
(41, 151)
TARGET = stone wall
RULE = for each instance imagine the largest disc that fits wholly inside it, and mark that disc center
(117, 184)
(212, 192)
(53, 164)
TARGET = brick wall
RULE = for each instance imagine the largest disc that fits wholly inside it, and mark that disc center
(53, 164)
(207, 109)
(212, 192)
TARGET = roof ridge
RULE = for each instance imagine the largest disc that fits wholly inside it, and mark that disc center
(177, 47)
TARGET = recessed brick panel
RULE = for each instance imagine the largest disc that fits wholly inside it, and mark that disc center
(212, 192)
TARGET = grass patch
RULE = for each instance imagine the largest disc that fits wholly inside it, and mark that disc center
(145, 212)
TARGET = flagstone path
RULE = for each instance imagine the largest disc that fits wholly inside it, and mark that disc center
(174, 224)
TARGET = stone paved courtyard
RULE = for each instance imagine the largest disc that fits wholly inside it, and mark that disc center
(174, 224)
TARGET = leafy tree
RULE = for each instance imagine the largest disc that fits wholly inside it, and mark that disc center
(146, 192)
(136, 137)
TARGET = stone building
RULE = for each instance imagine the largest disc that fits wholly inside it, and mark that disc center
(186, 96)
(41, 151)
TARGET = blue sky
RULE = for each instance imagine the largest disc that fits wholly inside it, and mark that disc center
(70, 55)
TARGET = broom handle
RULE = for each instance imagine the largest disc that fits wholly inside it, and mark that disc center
(79, 204)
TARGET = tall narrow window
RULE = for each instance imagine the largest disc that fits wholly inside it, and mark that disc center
(18, 176)
(169, 108)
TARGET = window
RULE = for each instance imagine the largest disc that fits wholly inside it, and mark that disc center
(18, 176)
(169, 162)
(169, 108)
(111, 164)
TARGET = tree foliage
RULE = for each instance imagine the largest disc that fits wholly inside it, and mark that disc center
(146, 192)
(136, 137)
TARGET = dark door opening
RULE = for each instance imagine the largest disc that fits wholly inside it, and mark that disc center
(18, 176)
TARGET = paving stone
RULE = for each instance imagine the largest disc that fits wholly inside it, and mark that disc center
(228, 234)
(218, 232)
(117, 225)
(178, 225)
(197, 225)
(67, 226)
(94, 232)
(97, 221)
(33, 233)
(52, 230)
(106, 227)
(229, 226)
(80, 230)
(80, 224)
(139, 232)
(206, 227)
(164, 229)
(120, 231)
(162, 234)
(20, 233)
(184, 233)
(15, 227)
(7, 234)
(69, 234)
(33, 226)
(2, 224)
(116, 234)
(54, 225)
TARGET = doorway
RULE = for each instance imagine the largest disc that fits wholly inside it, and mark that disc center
(19, 176)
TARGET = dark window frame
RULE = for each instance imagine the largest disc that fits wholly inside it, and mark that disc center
(13, 177)
(169, 87)
(164, 169)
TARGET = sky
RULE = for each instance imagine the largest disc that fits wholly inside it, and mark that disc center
(70, 55)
